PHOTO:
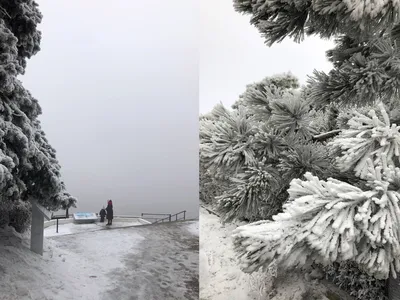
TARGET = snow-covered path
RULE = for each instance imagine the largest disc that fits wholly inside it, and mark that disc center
(220, 275)
(141, 262)
(149, 262)
(166, 267)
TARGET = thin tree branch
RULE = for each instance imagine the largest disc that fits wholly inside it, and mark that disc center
(326, 135)
(210, 211)
(5, 12)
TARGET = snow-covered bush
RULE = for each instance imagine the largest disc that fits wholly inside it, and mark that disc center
(364, 68)
(270, 132)
(330, 221)
(367, 137)
(210, 185)
(225, 148)
(356, 283)
(277, 20)
(259, 95)
(20, 216)
(302, 157)
(333, 221)
(251, 194)
(225, 143)
(290, 115)
(351, 216)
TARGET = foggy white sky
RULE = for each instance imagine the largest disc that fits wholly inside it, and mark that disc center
(118, 85)
(119, 88)
(233, 54)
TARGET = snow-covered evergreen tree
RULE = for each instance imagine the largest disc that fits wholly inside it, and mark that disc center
(359, 97)
(277, 20)
(329, 221)
(334, 144)
(271, 125)
(29, 169)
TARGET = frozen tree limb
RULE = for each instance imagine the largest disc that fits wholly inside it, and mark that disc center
(368, 137)
(326, 135)
(210, 211)
(329, 221)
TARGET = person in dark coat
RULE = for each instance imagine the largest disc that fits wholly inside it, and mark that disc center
(102, 214)
(110, 212)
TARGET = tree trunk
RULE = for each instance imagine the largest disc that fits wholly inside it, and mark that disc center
(393, 286)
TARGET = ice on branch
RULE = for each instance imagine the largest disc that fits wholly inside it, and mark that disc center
(368, 137)
(329, 221)
(372, 9)
(225, 144)
(327, 18)
(251, 194)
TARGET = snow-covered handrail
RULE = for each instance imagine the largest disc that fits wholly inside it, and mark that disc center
(175, 215)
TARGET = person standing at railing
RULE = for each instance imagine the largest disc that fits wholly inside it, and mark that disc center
(110, 212)
(102, 214)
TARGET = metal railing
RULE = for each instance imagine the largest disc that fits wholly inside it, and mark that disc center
(149, 216)
(171, 217)
(166, 217)
(124, 216)
(57, 218)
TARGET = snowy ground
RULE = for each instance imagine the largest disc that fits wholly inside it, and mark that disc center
(220, 276)
(222, 279)
(193, 228)
(143, 262)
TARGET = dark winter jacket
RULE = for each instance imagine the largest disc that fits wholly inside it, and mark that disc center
(103, 213)
(110, 212)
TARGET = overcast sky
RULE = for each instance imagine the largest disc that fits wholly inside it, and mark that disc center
(118, 85)
(233, 54)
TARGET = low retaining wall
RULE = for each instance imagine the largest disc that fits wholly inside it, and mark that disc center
(116, 219)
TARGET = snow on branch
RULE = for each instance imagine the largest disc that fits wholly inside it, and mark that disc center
(226, 143)
(251, 191)
(326, 135)
(277, 19)
(367, 137)
(329, 221)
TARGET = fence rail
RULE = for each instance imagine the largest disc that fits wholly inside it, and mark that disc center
(157, 218)
(166, 217)
(171, 217)
(150, 216)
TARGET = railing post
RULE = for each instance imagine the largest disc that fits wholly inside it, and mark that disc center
(66, 213)
(184, 214)
(176, 217)
(57, 225)
(169, 217)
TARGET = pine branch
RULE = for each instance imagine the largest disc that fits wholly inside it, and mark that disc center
(326, 135)
(210, 211)
(5, 12)
(329, 221)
